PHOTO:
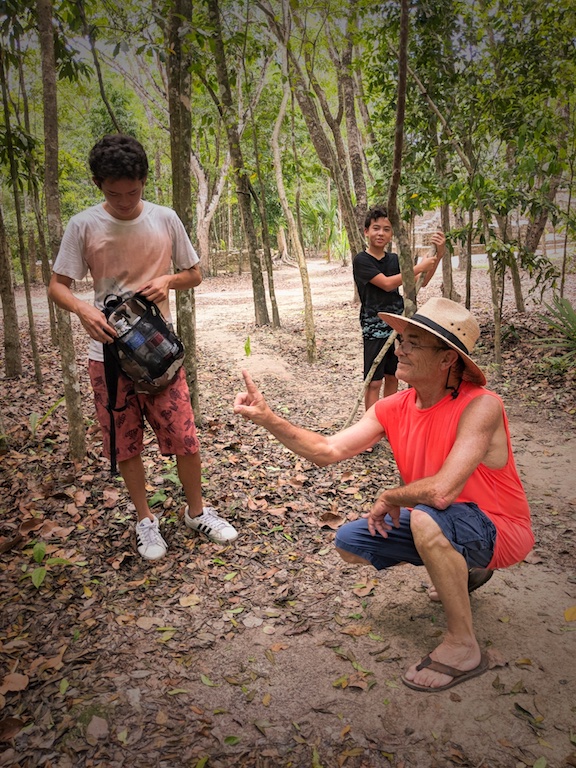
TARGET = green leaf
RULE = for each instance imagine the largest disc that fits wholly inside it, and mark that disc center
(247, 348)
(58, 561)
(64, 685)
(158, 498)
(176, 691)
(540, 763)
(39, 551)
(38, 575)
(230, 576)
(202, 762)
(231, 740)
(206, 680)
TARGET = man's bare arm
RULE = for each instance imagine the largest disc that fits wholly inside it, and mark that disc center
(320, 449)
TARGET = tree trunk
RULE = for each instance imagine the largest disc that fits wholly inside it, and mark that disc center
(449, 291)
(240, 174)
(468, 301)
(283, 246)
(537, 226)
(461, 254)
(355, 149)
(12, 349)
(311, 352)
(327, 153)
(206, 207)
(76, 430)
(405, 255)
(35, 199)
(22, 254)
(179, 95)
(267, 250)
(565, 246)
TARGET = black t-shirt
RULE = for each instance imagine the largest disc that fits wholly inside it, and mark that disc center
(375, 299)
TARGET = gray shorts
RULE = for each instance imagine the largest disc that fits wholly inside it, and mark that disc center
(467, 528)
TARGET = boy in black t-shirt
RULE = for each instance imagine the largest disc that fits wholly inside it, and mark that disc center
(377, 275)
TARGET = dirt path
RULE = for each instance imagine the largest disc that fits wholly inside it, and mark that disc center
(295, 659)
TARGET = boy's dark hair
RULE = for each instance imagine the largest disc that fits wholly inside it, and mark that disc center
(117, 156)
(377, 212)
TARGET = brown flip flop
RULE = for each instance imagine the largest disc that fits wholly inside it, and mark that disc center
(458, 676)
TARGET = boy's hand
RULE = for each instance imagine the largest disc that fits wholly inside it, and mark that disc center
(94, 323)
(439, 240)
(157, 289)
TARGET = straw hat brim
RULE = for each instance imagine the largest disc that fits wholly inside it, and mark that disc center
(471, 371)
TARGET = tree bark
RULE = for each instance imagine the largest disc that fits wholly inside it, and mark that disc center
(405, 254)
(240, 173)
(260, 201)
(12, 348)
(22, 254)
(179, 95)
(311, 352)
(35, 199)
(327, 153)
(76, 429)
(355, 149)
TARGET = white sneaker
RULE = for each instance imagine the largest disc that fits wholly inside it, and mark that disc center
(151, 545)
(212, 526)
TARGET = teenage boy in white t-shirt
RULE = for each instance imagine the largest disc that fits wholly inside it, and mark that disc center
(128, 244)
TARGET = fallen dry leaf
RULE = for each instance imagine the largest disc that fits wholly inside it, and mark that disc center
(9, 727)
(14, 682)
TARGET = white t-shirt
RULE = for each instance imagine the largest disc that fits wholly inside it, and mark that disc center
(121, 256)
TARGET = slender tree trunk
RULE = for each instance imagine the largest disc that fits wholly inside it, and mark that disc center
(88, 33)
(327, 153)
(206, 206)
(240, 174)
(12, 348)
(76, 429)
(565, 247)
(355, 149)
(311, 352)
(22, 254)
(260, 201)
(538, 225)
(405, 255)
(469, 259)
(449, 291)
(35, 200)
(460, 223)
(179, 96)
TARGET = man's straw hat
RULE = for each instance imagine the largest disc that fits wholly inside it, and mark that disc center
(449, 321)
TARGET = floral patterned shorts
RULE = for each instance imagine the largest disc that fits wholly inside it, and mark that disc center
(169, 413)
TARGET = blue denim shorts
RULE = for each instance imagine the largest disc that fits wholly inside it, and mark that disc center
(467, 528)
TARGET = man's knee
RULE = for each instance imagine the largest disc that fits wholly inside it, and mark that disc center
(426, 531)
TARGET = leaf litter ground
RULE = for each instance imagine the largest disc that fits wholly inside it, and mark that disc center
(272, 652)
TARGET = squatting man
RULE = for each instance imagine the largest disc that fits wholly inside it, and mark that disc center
(461, 511)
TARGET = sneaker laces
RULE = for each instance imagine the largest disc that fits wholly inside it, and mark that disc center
(150, 534)
(214, 520)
